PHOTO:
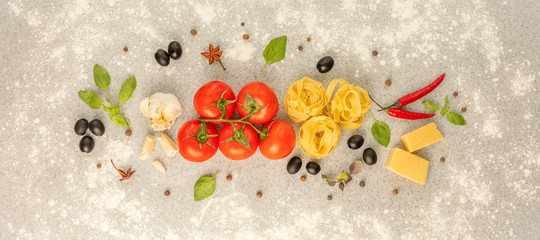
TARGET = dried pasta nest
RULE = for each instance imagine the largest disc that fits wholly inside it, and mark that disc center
(319, 136)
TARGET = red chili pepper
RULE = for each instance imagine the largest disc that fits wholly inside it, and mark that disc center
(420, 93)
(400, 113)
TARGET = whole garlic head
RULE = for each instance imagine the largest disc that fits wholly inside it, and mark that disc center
(162, 109)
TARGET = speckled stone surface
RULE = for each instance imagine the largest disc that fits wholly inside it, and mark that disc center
(487, 188)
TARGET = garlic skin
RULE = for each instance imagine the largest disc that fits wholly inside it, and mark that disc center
(162, 109)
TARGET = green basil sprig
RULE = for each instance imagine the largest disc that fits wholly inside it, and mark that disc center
(204, 187)
(275, 50)
(103, 80)
(452, 117)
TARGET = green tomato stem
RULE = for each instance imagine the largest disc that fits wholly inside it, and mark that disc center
(230, 121)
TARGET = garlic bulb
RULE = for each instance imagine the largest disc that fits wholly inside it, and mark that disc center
(162, 109)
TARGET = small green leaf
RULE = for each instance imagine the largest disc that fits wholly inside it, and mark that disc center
(342, 176)
(127, 89)
(101, 77)
(456, 119)
(341, 186)
(275, 50)
(328, 181)
(204, 187)
(114, 109)
(119, 120)
(445, 110)
(431, 105)
(91, 99)
(381, 133)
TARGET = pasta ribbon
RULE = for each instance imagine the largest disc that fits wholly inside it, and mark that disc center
(305, 98)
(349, 105)
(319, 136)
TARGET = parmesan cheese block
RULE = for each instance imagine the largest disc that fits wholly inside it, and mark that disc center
(421, 137)
(408, 165)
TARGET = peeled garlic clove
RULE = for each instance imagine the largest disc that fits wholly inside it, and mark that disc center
(157, 164)
(144, 106)
(147, 147)
(167, 144)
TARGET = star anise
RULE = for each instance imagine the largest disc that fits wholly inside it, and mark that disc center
(213, 54)
(125, 175)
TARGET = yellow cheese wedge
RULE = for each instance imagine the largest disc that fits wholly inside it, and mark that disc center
(421, 137)
(408, 165)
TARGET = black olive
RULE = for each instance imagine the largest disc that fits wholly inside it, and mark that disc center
(81, 126)
(175, 50)
(294, 165)
(162, 57)
(355, 142)
(325, 64)
(313, 168)
(87, 144)
(370, 156)
(96, 127)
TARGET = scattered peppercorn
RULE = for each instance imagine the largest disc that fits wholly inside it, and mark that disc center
(167, 193)
(303, 178)
(455, 94)
(129, 132)
(300, 48)
(374, 53)
(242, 24)
(245, 37)
(442, 159)
(463, 109)
(229, 178)
(395, 192)
(98, 165)
(362, 184)
(388, 82)
(329, 197)
(308, 39)
(193, 32)
(125, 49)
(259, 194)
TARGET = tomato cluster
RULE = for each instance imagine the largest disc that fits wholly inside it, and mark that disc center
(256, 103)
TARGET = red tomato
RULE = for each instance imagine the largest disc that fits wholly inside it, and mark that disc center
(210, 93)
(189, 146)
(233, 149)
(280, 140)
(264, 96)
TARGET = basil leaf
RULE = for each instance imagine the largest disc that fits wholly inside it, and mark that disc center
(356, 167)
(114, 109)
(204, 187)
(127, 89)
(275, 50)
(342, 176)
(381, 133)
(91, 99)
(445, 110)
(101, 77)
(431, 105)
(456, 119)
(119, 120)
